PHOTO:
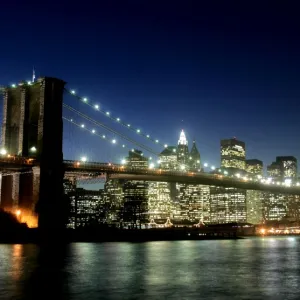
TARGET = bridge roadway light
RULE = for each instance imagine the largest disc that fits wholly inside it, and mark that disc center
(73, 92)
(83, 159)
(96, 106)
(3, 151)
(206, 165)
(213, 168)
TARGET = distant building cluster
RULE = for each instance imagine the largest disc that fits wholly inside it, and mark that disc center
(144, 204)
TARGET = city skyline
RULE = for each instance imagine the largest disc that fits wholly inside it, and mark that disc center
(169, 72)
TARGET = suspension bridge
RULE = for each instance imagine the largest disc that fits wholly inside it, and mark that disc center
(32, 144)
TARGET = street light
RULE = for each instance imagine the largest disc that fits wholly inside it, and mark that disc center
(33, 149)
(83, 159)
(3, 151)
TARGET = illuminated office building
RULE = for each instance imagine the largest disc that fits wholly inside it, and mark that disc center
(135, 193)
(136, 160)
(233, 154)
(274, 206)
(273, 171)
(288, 166)
(227, 205)
(283, 168)
(135, 209)
(183, 152)
(254, 198)
(192, 203)
(254, 166)
(113, 194)
(159, 200)
(87, 208)
(168, 159)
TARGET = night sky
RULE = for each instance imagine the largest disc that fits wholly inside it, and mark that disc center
(217, 72)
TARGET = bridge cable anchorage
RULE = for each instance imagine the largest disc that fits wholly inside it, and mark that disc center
(148, 149)
(117, 120)
(93, 132)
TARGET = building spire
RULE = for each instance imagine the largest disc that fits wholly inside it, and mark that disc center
(182, 139)
(33, 74)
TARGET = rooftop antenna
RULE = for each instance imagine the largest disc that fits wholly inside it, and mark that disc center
(33, 74)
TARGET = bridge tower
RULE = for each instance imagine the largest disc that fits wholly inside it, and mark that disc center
(32, 127)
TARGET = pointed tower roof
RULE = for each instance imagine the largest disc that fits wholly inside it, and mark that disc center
(194, 150)
(182, 139)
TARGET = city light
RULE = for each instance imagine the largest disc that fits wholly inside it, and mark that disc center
(225, 172)
(123, 146)
(151, 166)
(213, 167)
(118, 119)
(73, 92)
(156, 141)
(123, 161)
(82, 125)
(83, 158)
(238, 175)
(138, 130)
(113, 141)
(93, 131)
(13, 85)
(33, 149)
(205, 165)
(85, 99)
(103, 136)
(128, 125)
(166, 146)
(182, 167)
(29, 82)
(108, 113)
(96, 106)
(18, 212)
(148, 136)
(3, 151)
(288, 182)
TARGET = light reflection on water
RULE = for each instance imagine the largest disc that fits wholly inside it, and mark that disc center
(254, 268)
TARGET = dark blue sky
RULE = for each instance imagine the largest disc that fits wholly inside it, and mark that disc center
(225, 70)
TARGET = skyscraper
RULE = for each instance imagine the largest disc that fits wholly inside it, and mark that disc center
(194, 159)
(227, 205)
(233, 154)
(254, 166)
(168, 159)
(183, 152)
(135, 210)
(285, 167)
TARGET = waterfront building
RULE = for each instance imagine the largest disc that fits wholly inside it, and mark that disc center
(159, 200)
(275, 206)
(227, 205)
(113, 194)
(192, 203)
(86, 208)
(254, 209)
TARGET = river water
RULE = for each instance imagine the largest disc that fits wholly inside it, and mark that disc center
(254, 268)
